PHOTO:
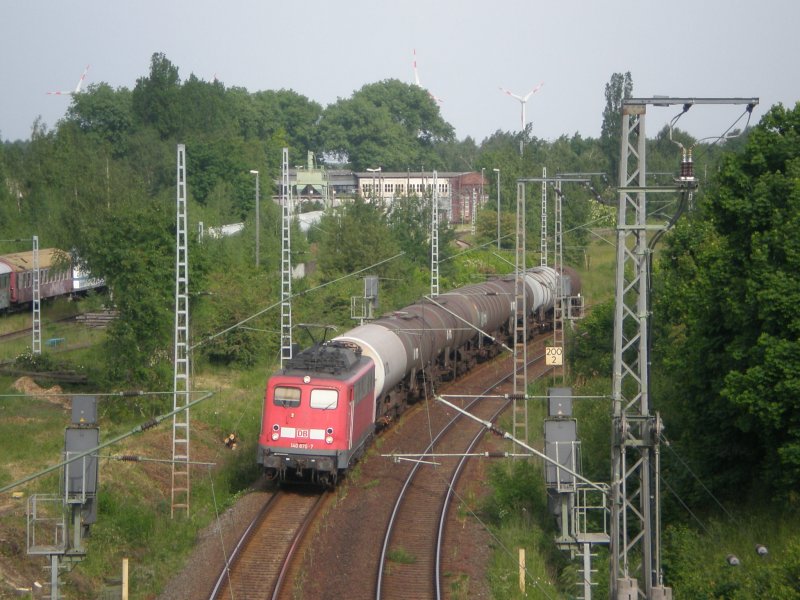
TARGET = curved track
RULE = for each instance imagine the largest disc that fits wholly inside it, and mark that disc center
(257, 567)
(410, 561)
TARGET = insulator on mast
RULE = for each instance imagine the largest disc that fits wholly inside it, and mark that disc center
(687, 166)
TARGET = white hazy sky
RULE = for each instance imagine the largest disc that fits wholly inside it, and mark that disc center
(466, 49)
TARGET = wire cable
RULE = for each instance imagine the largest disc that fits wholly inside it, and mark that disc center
(700, 481)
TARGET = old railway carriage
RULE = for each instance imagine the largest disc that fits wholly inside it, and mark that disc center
(17, 273)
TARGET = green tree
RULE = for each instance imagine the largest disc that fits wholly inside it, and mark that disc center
(133, 248)
(156, 98)
(409, 221)
(354, 237)
(619, 87)
(731, 290)
(289, 113)
(104, 113)
(460, 155)
(388, 124)
(211, 114)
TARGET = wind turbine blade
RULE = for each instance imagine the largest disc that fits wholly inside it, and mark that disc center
(512, 94)
(80, 81)
(533, 91)
(416, 74)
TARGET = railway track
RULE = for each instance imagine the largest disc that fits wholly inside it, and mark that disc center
(410, 564)
(26, 331)
(258, 565)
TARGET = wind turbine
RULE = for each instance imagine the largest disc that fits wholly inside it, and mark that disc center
(523, 100)
(77, 89)
(416, 80)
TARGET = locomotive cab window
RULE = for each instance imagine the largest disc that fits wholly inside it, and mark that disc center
(324, 399)
(288, 397)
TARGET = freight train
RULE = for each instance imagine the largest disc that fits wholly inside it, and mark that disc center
(59, 275)
(322, 409)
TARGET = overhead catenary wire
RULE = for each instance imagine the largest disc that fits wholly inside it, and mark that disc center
(694, 475)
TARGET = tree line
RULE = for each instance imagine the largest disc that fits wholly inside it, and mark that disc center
(102, 183)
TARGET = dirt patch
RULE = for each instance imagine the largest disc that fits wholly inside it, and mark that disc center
(29, 387)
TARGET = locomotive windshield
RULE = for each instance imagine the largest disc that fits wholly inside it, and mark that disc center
(287, 397)
(324, 399)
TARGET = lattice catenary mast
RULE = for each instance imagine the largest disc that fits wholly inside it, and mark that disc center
(543, 228)
(520, 411)
(36, 328)
(435, 237)
(286, 261)
(181, 387)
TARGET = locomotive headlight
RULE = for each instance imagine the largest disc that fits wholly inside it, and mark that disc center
(275, 436)
(329, 431)
(329, 439)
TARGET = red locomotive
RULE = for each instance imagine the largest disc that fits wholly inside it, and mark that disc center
(320, 412)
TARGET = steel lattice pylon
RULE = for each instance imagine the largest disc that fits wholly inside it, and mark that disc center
(286, 261)
(636, 510)
(543, 222)
(435, 237)
(36, 328)
(635, 502)
(181, 387)
(520, 410)
(635, 507)
(561, 300)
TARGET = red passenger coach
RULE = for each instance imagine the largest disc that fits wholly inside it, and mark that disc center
(319, 414)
